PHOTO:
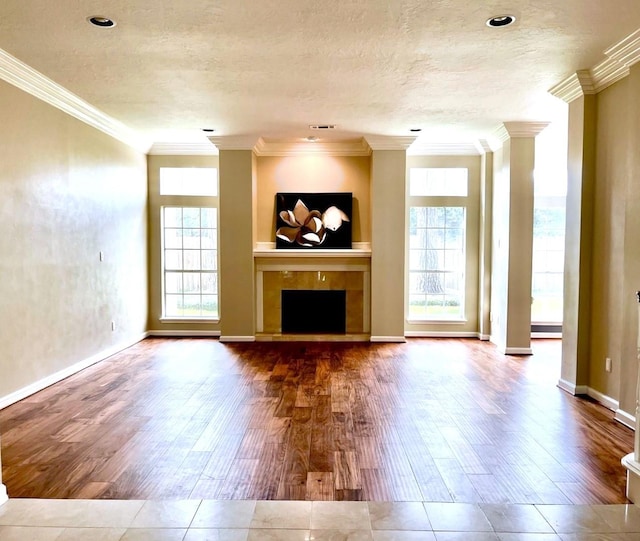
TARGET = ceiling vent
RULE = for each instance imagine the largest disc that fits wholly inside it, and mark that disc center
(322, 127)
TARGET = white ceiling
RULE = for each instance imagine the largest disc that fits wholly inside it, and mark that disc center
(270, 68)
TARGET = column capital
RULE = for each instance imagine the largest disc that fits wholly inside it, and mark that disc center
(575, 86)
(389, 142)
(519, 129)
(235, 142)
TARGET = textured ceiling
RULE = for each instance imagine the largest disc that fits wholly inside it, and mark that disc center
(271, 68)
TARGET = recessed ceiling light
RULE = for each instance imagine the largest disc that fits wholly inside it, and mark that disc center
(208, 130)
(501, 20)
(311, 139)
(103, 22)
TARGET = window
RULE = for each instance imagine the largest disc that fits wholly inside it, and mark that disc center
(437, 243)
(188, 181)
(441, 181)
(189, 242)
(548, 260)
(436, 262)
(549, 212)
(190, 256)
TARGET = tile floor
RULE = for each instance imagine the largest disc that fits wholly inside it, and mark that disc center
(208, 520)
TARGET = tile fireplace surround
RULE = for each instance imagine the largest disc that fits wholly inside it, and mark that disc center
(348, 270)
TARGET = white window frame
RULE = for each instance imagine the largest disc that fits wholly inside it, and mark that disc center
(437, 201)
(186, 202)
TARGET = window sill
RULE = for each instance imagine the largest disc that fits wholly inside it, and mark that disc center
(189, 319)
(436, 321)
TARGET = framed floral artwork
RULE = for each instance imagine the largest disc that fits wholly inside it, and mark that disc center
(314, 220)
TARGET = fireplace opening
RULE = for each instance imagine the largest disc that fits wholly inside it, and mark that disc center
(314, 311)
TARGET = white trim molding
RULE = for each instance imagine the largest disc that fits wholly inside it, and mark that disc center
(575, 86)
(389, 142)
(43, 383)
(241, 338)
(234, 142)
(516, 351)
(348, 147)
(3, 494)
(524, 129)
(389, 339)
(620, 57)
(22, 76)
(572, 388)
(625, 418)
(603, 399)
(441, 334)
(633, 477)
(556, 335)
(183, 333)
(484, 337)
(204, 148)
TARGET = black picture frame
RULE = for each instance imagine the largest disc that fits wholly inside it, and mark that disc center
(308, 221)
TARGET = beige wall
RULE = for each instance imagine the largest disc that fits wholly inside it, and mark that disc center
(578, 242)
(67, 192)
(616, 256)
(472, 201)
(313, 174)
(156, 201)
(612, 170)
(237, 277)
(388, 233)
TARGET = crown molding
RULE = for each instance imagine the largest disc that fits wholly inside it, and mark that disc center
(620, 57)
(389, 142)
(509, 130)
(573, 87)
(485, 146)
(444, 149)
(235, 142)
(183, 149)
(20, 75)
(351, 147)
(524, 129)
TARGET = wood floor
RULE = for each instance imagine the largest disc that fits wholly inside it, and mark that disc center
(429, 420)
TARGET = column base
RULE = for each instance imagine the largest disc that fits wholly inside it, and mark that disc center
(3, 494)
(633, 478)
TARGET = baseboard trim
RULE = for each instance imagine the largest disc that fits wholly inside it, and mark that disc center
(484, 337)
(625, 418)
(396, 339)
(546, 335)
(603, 399)
(517, 351)
(572, 388)
(184, 333)
(440, 334)
(43, 383)
(237, 338)
(3, 494)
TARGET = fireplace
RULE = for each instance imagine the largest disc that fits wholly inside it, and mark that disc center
(314, 311)
(322, 277)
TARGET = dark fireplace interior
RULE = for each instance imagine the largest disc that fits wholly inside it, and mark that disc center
(314, 311)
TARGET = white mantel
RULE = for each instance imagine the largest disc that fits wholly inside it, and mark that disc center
(269, 250)
(268, 259)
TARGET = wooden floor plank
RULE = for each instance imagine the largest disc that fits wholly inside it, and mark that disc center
(432, 420)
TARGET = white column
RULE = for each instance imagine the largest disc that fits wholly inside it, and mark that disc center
(3, 489)
(632, 460)
(388, 233)
(636, 439)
